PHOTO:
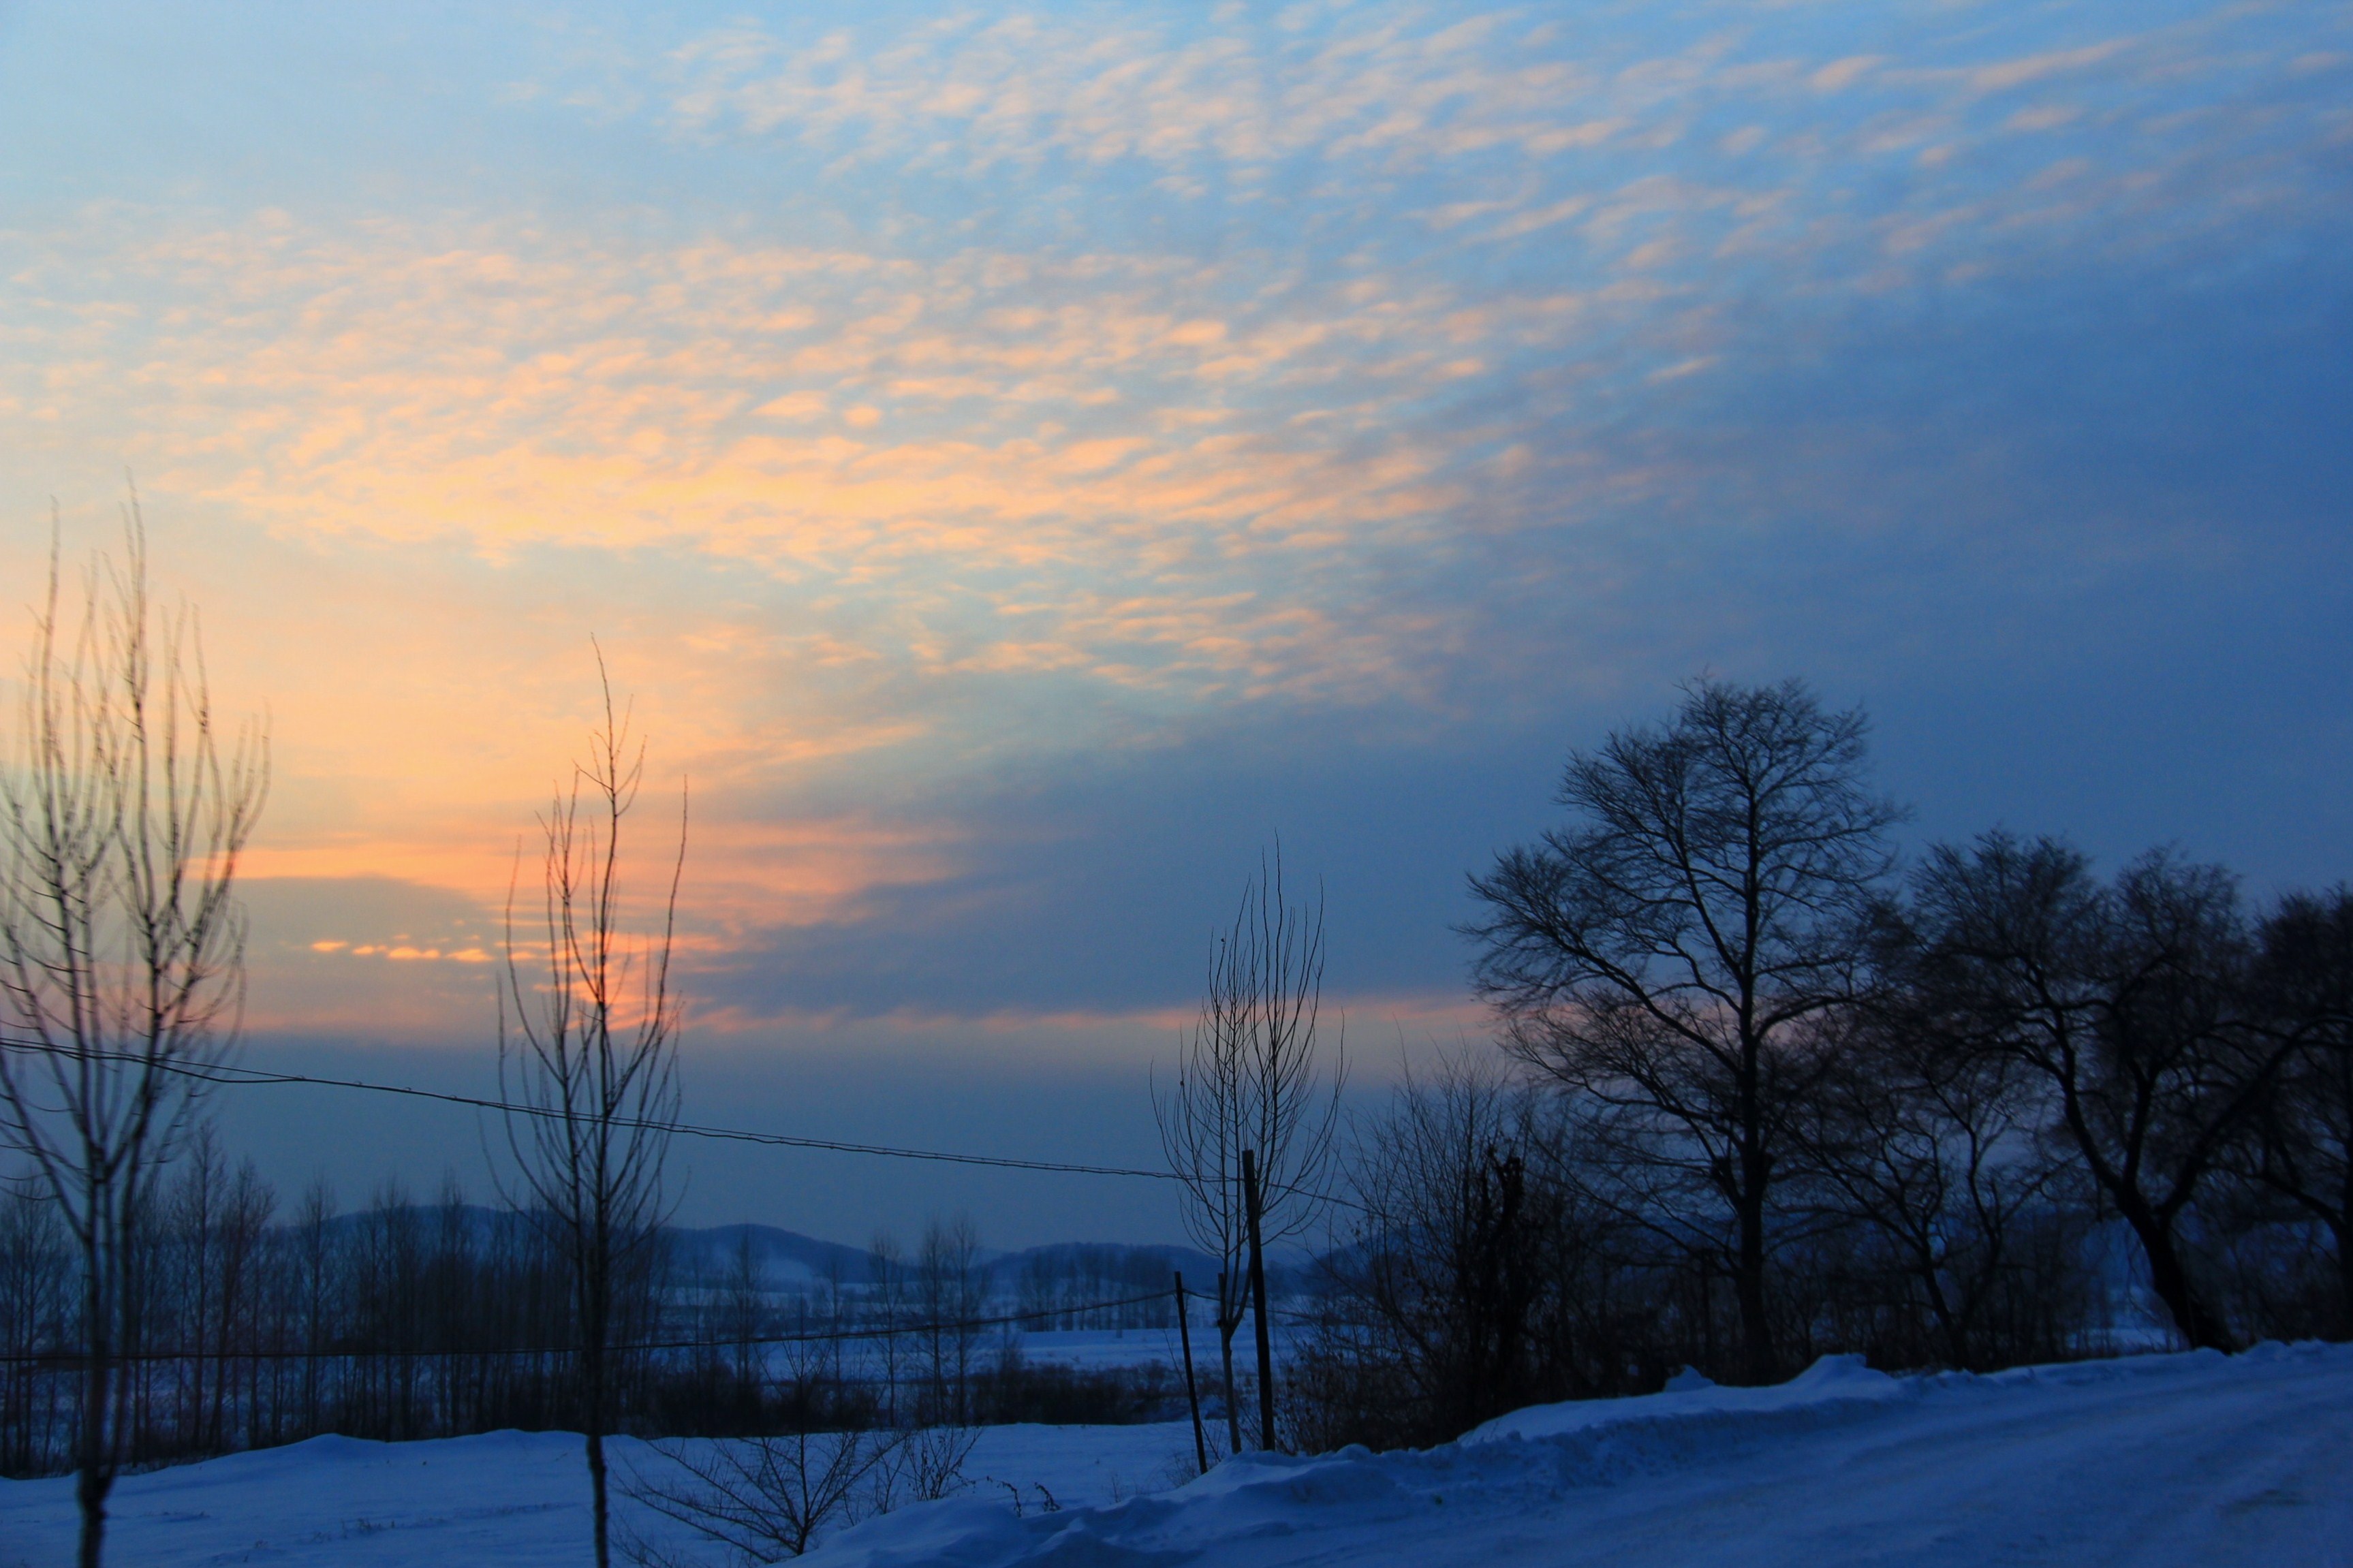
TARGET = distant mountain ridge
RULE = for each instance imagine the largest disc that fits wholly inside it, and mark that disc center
(788, 1261)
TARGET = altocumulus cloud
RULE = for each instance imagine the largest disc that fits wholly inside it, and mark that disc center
(1122, 377)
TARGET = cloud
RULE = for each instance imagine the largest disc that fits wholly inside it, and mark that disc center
(1116, 379)
(1025, 444)
(1339, 107)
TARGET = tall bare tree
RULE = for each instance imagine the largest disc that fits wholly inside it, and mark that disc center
(1255, 1079)
(886, 1272)
(588, 1052)
(950, 1293)
(122, 813)
(2303, 1149)
(1679, 959)
(1942, 1151)
(2133, 1003)
(1461, 1233)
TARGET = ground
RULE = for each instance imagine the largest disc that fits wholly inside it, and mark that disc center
(2154, 1460)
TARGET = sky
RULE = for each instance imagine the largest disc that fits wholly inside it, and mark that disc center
(1022, 463)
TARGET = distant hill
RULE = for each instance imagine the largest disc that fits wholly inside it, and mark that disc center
(790, 1262)
(787, 1260)
(1111, 1260)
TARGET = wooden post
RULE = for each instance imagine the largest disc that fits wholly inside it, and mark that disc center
(1192, 1394)
(1251, 1198)
(1226, 1326)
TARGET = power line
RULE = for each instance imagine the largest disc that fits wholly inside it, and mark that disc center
(225, 1075)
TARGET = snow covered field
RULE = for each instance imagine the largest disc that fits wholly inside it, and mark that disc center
(509, 1499)
(2180, 1460)
(1094, 1348)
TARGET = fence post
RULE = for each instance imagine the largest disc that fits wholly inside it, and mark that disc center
(1192, 1394)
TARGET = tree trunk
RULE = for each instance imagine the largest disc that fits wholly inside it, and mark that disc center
(596, 1333)
(1748, 1290)
(2339, 1225)
(96, 1477)
(594, 1367)
(596, 1336)
(2343, 1282)
(1257, 1298)
(1749, 1276)
(2170, 1279)
(1956, 1332)
(1228, 1322)
(596, 1490)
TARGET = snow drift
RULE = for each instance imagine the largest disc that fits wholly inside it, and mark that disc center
(1546, 1479)
(2155, 1462)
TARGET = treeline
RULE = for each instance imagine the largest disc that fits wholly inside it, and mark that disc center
(258, 1324)
(1766, 1095)
(1063, 1288)
(253, 1326)
(1764, 1092)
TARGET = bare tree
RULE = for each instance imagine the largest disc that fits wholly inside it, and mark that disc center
(589, 1052)
(1254, 1080)
(886, 1270)
(2303, 1149)
(950, 1292)
(1454, 1254)
(1678, 960)
(742, 1319)
(315, 1260)
(768, 1498)
(763, 1499)
(1941, 1151)
(122, 813)
(2130, 1003)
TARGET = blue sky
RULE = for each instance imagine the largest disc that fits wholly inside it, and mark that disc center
(1023, 461)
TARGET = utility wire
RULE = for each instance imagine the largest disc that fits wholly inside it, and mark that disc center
(224, 1074)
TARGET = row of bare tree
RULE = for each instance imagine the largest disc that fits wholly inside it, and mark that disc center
(1773, 1095)
(124, 810)
(255, 1324)
(248, 1328)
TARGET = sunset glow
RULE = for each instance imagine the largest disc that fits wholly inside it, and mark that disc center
(1020, 464)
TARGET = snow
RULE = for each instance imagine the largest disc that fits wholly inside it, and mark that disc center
(2187, 1459)
(506, 1499)
(1081, 1467)
(2152, 1461)
(1829, 1388)
(1097, 1349)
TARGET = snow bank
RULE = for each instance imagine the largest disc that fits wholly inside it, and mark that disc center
(1539, 1450)
(499, 1499)
(1361, 1506)
(1832, 1388)
(2164, 1462)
